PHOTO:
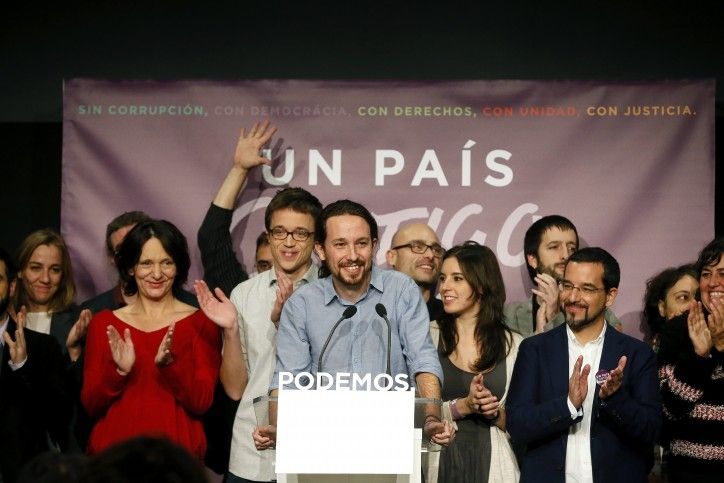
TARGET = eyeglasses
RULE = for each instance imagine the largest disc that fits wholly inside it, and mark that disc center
(420, 247)
(586, 290)
(299, 234)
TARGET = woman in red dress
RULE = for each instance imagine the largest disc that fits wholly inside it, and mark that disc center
(151, 366)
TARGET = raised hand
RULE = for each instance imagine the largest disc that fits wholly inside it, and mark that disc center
(284, 290)
(75, 337)
(547, 292)
(246, 155)
(578, 383)
(164, 356)
(17, 348)
(122, 350)
(220, 310)
(699, 330)
(614, 380)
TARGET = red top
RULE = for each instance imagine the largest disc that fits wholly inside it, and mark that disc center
(151, 401)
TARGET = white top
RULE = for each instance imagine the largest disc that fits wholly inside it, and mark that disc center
(578, 450)
(39, 322)
(254, 300)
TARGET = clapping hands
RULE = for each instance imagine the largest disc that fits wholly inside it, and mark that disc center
(220, 310)
(481, 399)
(17, 348)
(122, 350)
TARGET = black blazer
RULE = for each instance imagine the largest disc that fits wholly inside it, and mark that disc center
(60, 325)
(34, 402)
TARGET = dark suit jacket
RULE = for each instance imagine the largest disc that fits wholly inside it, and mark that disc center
(623, 427)
(34, 403)
(60, 325)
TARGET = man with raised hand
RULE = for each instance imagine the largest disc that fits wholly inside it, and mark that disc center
(289, 226)
(221, 267)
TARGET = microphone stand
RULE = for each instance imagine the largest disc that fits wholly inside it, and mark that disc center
(382, 312)
(348, 312)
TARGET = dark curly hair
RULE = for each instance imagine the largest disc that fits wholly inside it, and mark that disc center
(656, 289)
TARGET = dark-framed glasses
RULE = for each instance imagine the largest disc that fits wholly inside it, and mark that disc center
(420, 247)
(299, 234)
(586, 290)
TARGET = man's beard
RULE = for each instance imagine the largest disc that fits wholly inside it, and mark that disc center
(549, 270)
(354, 281)
(577, 325)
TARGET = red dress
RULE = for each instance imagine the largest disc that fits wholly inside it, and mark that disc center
(151, 401)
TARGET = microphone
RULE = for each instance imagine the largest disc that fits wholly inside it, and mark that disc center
(348, 312)
(382, 312)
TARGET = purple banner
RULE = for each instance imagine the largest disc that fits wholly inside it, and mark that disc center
(631, 164)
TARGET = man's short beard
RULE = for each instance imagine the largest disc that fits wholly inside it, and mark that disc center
(577, 325)
(549, 271)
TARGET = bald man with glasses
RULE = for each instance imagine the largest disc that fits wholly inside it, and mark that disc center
(416, 251)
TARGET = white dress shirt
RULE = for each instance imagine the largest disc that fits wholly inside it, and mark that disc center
(578, 450)
(254, 300)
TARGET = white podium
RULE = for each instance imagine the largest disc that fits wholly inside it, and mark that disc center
(348, 436)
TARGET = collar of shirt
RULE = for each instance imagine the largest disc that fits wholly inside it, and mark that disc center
(330, 293)
(307, 277)
(597, 341)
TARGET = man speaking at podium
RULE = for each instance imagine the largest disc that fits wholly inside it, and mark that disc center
(318, 327)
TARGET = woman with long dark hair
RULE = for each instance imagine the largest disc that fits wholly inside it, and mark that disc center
(477, 353)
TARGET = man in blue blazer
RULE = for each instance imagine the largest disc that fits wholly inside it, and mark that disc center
(584, 398)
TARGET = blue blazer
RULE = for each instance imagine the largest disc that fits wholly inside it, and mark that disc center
(624, 427)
